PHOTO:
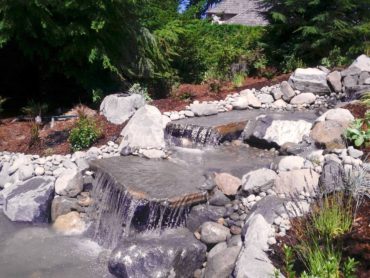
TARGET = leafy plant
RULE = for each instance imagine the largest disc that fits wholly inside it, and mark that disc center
(289, 259)
(139, 90)
(97, 95)
(365, 99)
(33, 108)
(357, 134)
(291, 62)
(349, 268)
(186, 96)
(238, 80)
(334, 59)
(319, 236)
(85, 133)
(215, 86)
(35, 134)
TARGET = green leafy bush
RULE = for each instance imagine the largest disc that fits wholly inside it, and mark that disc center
(34, 109)
(238, 80)
(199, 50)
(357, 134)
(84, 134)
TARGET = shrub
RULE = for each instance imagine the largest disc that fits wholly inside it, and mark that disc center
(365, 99)
(359, 132)
(320, 240)
(84, 134)
(238, 80)
(199, 50)
(34, 109)
(138, 89)
(334, 59)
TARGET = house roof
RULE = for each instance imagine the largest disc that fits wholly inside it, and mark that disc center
(247, 12)
(234, 6)
(250, 18)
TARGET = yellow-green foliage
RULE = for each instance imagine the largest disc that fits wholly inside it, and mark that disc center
(84, 134)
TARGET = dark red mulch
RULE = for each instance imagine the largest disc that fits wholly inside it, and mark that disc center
(16, 136)
(356, 244)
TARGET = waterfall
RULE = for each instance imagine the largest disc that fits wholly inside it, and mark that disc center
(188, 135)
(119, 213)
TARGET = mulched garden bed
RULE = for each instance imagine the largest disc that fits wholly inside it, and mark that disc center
(16, 136)
(356, 243)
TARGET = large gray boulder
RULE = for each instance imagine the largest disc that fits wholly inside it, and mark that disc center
(203, 213)
(329, 134)
(258, 180)
(296, 181)
(269, 132)
(62, 205)
(335, 81)
(144, 131)
(212, 233)
(304, 98)
(29, 201)
(338, 114)
(174, 253)
(361, 64)
(222, 264)
(253, 261)
(118, 108)
(356, 77)
(332, 177)
(309, 80)
(70, 183)
(287, 91)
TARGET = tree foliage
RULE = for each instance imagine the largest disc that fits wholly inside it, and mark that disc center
(310, 29)
(82, 39)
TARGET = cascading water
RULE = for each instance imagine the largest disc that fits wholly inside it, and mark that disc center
(121, 211)
(191, 135)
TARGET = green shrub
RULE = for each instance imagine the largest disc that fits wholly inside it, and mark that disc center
(199, 50)
(357, 134)
(84, 134)
(334, 59)
(365, 99)
(34, 109)
(97, 96)
(320, 238)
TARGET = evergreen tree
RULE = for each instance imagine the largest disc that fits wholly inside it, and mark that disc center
(311, 29)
